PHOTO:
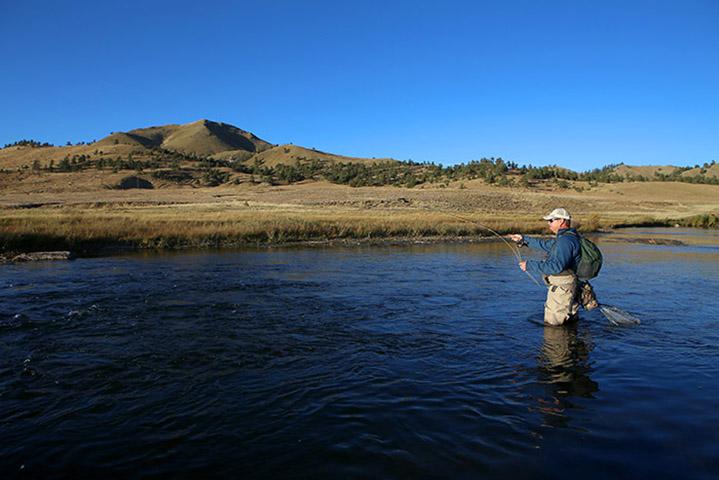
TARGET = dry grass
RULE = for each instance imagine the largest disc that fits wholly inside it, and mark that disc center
(208, 225)
(291, 154)
(79, 214)
(646, 171)
(88, 229)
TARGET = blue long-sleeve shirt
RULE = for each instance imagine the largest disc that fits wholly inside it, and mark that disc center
(563, 253)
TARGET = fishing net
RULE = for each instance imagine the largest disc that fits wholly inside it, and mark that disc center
(617, 316)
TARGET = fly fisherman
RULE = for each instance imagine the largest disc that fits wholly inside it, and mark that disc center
(558, 268)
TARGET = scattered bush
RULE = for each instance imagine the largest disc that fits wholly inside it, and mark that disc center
(176, 175)
(213, 177)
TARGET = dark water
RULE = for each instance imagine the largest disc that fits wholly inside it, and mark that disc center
(401, 362)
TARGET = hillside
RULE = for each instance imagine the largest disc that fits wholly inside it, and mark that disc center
(291, 154)
(195, 140)
(650, 172)
(203, 137)
(208, 153)
(709, 171)
(16, 157)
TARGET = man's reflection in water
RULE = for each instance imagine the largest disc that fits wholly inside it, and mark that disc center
(564, 369)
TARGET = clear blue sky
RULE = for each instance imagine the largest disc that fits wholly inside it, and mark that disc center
(575, 83)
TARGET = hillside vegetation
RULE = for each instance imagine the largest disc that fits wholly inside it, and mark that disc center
(212, 153)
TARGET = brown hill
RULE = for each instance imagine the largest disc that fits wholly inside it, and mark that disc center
(221, 141)
(648, 171)
(203, 137)
(206, 138)
(121, 138)
(651, 171)
(292, 154)
(708, 171)
(18, 157)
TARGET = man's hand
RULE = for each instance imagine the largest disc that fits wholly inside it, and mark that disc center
(516, 237)
(523, 265)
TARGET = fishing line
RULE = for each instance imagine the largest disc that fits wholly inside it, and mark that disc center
(513, 248)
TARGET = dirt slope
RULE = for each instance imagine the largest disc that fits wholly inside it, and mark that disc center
(291, 154)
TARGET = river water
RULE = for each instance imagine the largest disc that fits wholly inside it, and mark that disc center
(367, 362)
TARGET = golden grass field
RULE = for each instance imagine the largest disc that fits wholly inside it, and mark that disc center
(74, 211)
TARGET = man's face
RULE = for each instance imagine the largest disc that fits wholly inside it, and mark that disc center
(555, 225)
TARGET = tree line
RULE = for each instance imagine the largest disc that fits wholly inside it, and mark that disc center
(212, 171)
(28, 143)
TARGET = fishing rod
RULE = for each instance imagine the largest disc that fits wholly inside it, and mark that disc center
(513, 248)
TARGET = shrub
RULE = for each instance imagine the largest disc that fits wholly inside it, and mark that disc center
(213, 177)
(175, 175)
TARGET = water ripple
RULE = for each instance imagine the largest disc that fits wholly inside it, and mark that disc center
(335, 363)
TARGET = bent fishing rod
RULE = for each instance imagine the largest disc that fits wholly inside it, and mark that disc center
(513, 248)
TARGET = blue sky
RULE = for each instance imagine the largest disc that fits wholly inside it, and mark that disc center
(575, 83)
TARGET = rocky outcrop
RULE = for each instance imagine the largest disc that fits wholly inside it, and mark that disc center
(42, 256)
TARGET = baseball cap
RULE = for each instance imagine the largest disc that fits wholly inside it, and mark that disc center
(558, 213)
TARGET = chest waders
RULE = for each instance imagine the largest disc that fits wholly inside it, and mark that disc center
(562, 300)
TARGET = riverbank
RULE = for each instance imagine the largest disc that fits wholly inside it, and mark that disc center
(100, 221)
(89, 230)
(100, 233)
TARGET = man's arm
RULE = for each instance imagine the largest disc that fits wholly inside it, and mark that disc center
(520, 239)
(539, 244)
(557, 261)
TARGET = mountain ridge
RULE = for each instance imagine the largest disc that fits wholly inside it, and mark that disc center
(221, 141)
(199, 139)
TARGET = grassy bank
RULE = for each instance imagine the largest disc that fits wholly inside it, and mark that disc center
(91, 230)
(707, 221)
(88, 230)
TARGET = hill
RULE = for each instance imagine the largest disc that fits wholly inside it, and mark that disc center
(648, 171)
(292, 154)
(208, 153)
(709, 170)
(22, 157)
(651, 172)
(201, 138)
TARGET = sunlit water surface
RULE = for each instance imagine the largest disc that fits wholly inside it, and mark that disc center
(382, 362)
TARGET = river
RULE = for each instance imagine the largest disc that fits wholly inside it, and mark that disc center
(365, 362)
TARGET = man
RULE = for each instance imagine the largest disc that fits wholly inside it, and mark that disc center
(558, 268)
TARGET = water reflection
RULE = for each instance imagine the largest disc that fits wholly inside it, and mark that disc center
(564, 370)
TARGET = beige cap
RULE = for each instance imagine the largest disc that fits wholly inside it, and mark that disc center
(558, 213)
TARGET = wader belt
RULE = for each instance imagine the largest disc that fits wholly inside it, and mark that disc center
(565, 277)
